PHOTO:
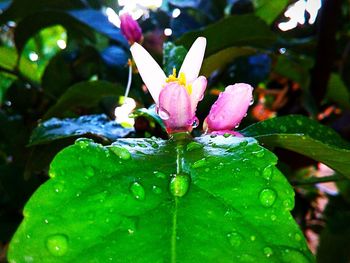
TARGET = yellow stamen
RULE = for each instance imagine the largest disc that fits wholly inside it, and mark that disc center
(181, 80)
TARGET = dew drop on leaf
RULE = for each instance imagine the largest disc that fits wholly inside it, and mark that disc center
(193, 146)
(288, 204)
(235, 239)
(179, 184)
(57, 245)
(297, 237)
(89, 171)
(267, 172)
(156, 189)
(137, 191)
(159, 175)
(83, 142)
(268, 252)
(199, 163)
(267, 197)
(121, 152)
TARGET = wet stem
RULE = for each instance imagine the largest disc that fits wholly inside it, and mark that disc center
(318, 180)
(179, 169)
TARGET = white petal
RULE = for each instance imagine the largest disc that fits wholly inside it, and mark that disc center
(198, 89)
(151, 73)
(193, 60)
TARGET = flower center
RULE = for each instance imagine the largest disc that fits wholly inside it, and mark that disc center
(181, 80)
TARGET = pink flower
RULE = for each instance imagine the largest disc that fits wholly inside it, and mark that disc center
(130, 29)
(229, 109)
(177, 96)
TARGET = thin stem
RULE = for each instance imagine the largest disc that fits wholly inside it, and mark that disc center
(319, 180)
(128, 85)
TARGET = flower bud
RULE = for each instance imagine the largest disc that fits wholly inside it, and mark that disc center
(130, 29)
(230, 108)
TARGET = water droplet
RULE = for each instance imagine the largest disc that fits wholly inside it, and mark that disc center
(154, 144)
(267, 172)
(137, 190)
(299, 122)
(243, 143)
(267, 197)
(237, 125)
(206, 170)
(235, 239)
(194, 146)
(159, 175)
(121, 152)
(58, 188)
(163, 113)
(226, 135)
(273, 217)
(251, 102)
(89, 171)
(195, 123)
(283, 128)
(179, 184)
(83, 142)
(297, 237)
(288, 204)
(268, 252)
(156, 189)
(199, 163)
(57, 244)
(253, 238)
(142, 145)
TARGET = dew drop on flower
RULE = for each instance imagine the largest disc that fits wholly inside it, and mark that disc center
(163, 113)
(137, 191)
(195, 123)
(267, 197)
(179, 184)
(57, 245)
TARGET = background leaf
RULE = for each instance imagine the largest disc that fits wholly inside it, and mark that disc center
(83, 94)
(94, 125)
(304, 136)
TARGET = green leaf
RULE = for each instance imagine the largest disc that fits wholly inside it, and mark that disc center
(338, 92)
(304, 136)
(83, 94)
(224, 57)
(242, 30)
(335, 237)
(8, 60)
(150, 200)
(269, 10)
(94, 125)
(173, 56)
(32, 24)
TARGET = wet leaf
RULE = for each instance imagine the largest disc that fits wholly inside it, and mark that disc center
(224, 195)
(94, 125)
